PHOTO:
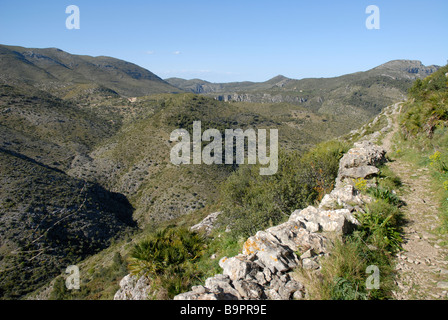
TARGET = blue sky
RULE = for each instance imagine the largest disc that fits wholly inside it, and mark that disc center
(222, 41)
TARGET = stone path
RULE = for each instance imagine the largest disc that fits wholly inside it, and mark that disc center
(422, 268)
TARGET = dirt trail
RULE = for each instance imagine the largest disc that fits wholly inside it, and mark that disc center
(422, 268)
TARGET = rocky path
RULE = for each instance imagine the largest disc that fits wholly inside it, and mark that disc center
(422, 268)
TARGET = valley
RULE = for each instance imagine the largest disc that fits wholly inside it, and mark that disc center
(85, 152)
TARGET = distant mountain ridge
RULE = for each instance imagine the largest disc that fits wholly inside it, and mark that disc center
(361, 94)
(54, 68)
(401, 69)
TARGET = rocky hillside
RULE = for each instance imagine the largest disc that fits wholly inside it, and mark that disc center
(293, 259)
(54, 69)
(84, 147)
(96, 157)
(50, 220)
(264, 269)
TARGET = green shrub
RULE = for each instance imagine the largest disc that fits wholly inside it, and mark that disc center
(438, 162)
(428, 109)
(380, 225)
(424, 124)
(384, 194)
(343, 289)
(251, 202)
(344, 275)
(167, 258)
(387, 179)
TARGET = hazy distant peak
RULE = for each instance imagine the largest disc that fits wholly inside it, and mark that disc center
(279, 78)
(278, 81)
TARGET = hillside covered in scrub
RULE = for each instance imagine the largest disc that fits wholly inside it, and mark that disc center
(86, 174)
(388, 211)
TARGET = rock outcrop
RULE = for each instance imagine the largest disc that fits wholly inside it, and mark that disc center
(261, 98)
(361, 161)
(207, 224)
(133, 288)
(263, 270)
(345, 196)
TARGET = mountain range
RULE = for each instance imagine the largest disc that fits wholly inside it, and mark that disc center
(364, 92)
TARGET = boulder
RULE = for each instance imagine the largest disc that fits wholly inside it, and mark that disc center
(346, 196)
(283, 288)
(340, 221)
(207, 224)
(363, 153)
(270, 253)
(361, 161)
(133, 288)
(249, 289)
(238, 267)
(221, 285)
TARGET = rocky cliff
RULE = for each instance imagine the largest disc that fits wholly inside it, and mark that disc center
(261, 97)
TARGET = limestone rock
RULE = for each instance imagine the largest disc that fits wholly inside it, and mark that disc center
(216, 288)
(287, 233)
(364, 153)
(365, 172)
(270, 253)
(310, 264)
(283, 288)
(207, 224)
(133, 288)
(221, 285)
(249, 289)
(361, 161)
(197, 293)
(340, 221)
(346, 196)
(238, 267)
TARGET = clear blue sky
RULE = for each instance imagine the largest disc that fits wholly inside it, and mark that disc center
(230, 40)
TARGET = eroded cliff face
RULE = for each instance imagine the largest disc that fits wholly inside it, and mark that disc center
(264, 268)
(260, 98)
